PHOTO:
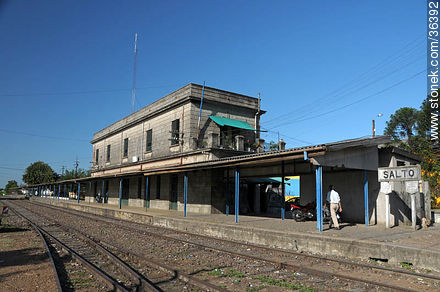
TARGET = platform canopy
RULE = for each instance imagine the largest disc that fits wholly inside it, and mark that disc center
(231, 123)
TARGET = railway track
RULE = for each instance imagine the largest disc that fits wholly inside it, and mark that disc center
(317, 266)
(86, 249)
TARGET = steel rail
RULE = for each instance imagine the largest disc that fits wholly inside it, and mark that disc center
(341, 261)
(281, 264)
(116, 285)
(46, 247)
(145, 283)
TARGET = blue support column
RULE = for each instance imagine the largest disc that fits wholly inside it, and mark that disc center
(89, 190)
(237, 193)
(147, 194)
(120, 193)
(283, 192)
(318, 174)
(79, 192)
(185, 192)
(227, 191)
(103, 192)
(59, 191)
(367, 219)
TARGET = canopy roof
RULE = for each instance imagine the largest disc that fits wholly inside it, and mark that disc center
(231, 123)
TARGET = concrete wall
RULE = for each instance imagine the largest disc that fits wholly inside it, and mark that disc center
(182, 104)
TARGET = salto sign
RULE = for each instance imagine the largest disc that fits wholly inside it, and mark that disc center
(399, 173)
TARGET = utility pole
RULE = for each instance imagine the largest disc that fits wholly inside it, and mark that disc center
(133, 91)
(62, 170)
(76, 167)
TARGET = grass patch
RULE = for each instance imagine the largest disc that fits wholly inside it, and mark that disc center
(281, 283)
(406, 265)
(6, 242)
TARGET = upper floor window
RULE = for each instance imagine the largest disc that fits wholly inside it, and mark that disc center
(175, 132)
(108, 152)
(125, 147)
(96, 156)
(149, 141)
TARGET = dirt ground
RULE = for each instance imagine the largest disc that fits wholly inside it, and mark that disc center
(24, 264)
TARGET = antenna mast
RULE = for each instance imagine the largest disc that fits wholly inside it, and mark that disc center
(133, 91)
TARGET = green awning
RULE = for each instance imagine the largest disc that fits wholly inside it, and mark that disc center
(231, 123)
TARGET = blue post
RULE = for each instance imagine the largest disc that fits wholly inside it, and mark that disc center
(64, 192)
(306, 156)
(59, 191)
(227, 191)
(367, 220)
(79, 191)
(318, 173)
(237, 193)
(147, 194)
(283, 191)
(185, 192)
(102, 192)
(120, 193)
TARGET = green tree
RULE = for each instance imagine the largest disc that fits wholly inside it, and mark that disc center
(11, 184)
(70, 174)
(39, 172)
(403, 124)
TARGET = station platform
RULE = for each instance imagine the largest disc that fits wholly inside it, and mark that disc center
(400, 244)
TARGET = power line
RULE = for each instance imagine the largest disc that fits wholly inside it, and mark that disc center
(43, 136)
(84, 91)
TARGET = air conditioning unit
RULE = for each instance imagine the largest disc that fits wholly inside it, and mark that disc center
(135, 159)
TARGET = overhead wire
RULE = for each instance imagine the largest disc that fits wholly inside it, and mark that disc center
(359, 82)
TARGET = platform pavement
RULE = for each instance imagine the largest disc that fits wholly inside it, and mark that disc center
(397, 244)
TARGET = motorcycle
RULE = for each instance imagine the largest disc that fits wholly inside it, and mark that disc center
(299, 212)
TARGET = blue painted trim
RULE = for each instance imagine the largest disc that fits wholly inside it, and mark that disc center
(237, 193)
(318, 174)
(120, 193)
(185, 192)
(79, 191)
(103, 192)
(283, 192)
(227, 191)
(306, 156)
(366, 197)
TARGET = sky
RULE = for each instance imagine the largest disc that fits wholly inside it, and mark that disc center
(324, 69)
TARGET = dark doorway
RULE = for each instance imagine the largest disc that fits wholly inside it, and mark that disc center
(125, 192)
(173, 195)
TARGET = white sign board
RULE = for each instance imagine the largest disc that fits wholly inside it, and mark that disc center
(399, 173)
(412, 187)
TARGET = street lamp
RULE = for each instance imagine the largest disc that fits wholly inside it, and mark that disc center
(374, 126)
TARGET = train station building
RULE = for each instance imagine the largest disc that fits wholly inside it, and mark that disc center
(198, 150)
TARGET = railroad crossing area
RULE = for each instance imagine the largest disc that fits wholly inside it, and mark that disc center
(400, 245)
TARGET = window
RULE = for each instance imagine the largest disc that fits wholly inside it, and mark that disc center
(96, 156)
(126, 147)
(175, 132)
(108, 152)
(158, 187)
(149, 140)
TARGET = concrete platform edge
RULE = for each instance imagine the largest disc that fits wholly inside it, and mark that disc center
(316, 244)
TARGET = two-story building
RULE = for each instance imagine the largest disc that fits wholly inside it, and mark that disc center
(192, 124)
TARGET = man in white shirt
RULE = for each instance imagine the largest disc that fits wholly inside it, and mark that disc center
(335, 202)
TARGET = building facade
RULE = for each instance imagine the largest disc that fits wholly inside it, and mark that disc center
(192, 124)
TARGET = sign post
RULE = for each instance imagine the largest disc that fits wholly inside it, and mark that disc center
(410, 175)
